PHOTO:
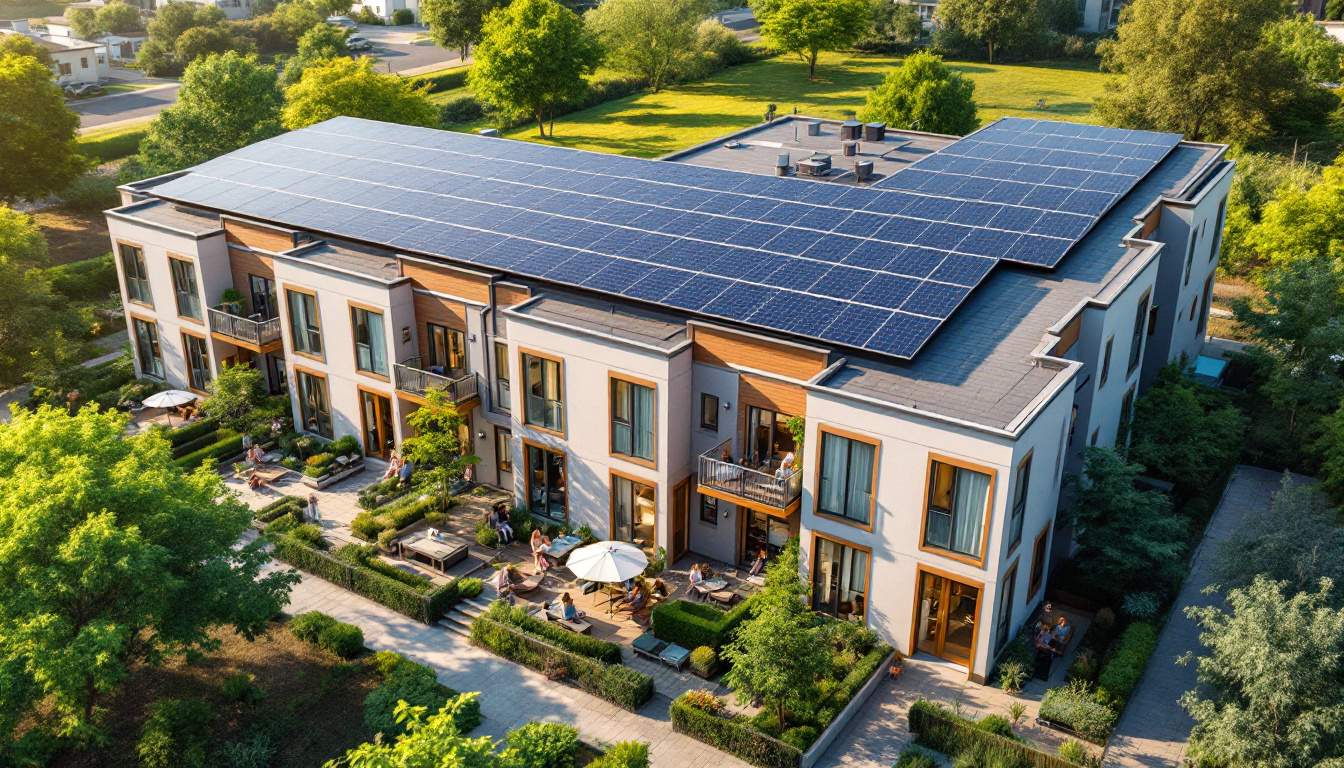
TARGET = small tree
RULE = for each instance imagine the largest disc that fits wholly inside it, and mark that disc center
(236, 396)
(533, 57)
(83, 22)
(436, 448)
(38, 154)
(1297, 541)
(655, 39)
(1270, 676)
(23, 45)
(1184, 433)
(118, 17)
(808, 27)
(777, 655)
(1308, 46)
(996, 24)
(322, 43)
(924, 94)
(348, 87)
(199, 42)
(896, 23)
(456, 23)
(1330, 449)
(30, 316)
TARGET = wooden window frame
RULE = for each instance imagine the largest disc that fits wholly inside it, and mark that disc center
(1138, 335)
(289, 322)
(351, 306)
(186, 359)
(876, 443)
(527, 478)
(920, 570)
(500, 350)
(300, 370)
(1106, 362)
(126, 278)
(978, 562)
(715, 410)
(612, 378)
(867, 576)
(706, 497)
(1018, 484)
(1009, 582)
(1037, 576)
(612, 474)
(509, 452)
(172, 277)
(158, 340)
(523, 354)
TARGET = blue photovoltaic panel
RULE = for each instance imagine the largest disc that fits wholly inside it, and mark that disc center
(876, 268)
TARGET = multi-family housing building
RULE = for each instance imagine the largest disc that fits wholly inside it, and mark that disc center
(72, 60)
(891, 345)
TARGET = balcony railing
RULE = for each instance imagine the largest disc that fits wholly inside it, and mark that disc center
(254, 331)
(458, 385)
(776, 490)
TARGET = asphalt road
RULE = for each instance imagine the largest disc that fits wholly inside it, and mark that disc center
(103, 111)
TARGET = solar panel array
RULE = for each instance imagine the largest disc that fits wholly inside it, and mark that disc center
(875, 269)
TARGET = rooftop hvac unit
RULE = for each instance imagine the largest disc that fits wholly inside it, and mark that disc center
(489, 132)
(782, 164)
(863, 171)
(850, 148)
(849, 130)
(813, 127)
(874, 131)
(816, 165)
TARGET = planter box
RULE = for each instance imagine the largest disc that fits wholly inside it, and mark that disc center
(349, 470)
(846, 715)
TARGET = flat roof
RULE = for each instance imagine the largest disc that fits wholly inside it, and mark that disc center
(608, 318)
(165, 214)
(360, 260)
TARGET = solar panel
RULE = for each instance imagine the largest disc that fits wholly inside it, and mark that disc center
(878, 268)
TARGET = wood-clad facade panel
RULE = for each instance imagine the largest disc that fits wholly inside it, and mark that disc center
(508, 294)
(243, 263)
(257, 236)
(721, 347)
(770, 395)
(443, 279)
(432, 309)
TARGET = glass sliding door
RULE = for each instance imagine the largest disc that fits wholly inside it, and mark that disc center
(763, 532)
(546, 484)
(262, 290)
(447, 349)
(370, 341)
(634, 512)
(839, 579)
(147, 347)
(768, 437)
(376, 411)
(946, 617)
(198, 361)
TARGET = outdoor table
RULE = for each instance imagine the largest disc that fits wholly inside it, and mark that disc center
(713, 585)
(563, 546)
(442, 553)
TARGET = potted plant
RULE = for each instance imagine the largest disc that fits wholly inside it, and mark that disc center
(1012, 675)
(897, 667)
(232, 301)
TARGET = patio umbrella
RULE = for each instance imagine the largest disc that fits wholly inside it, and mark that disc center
(610, 562)
(169, 398)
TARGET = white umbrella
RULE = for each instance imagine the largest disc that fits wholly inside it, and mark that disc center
(607, 561)
(168, 398)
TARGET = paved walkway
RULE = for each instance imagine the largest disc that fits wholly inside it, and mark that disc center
(1154, 729)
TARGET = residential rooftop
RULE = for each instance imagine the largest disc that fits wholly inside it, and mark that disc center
(364, 261)
(161, 213)
(663, 331)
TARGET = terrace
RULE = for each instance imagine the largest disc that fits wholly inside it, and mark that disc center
(255, 333)
(777, 489)
(413, 378)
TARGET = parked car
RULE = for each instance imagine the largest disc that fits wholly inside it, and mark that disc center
(83, 90)
(342, 21)
(357, 43)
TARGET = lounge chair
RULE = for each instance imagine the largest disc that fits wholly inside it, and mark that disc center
(670, 654)
(528, 584)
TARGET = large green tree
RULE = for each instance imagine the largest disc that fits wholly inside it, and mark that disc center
(896, 23)
(1271, 678)
(38, 153)
(323, 42)
(1302, 221)
(23, 45)
(83, 22)
(924, 94)
(456, 23)
(159, 54)
(995, 24)
(226, 101)
(1261, 178)
(435, 448)
(1308, 46)
(1184, 433)
(1330, 449)
(352, 88)
(237, 396)
(533, 57)
(1202, 68)
(118, 17)
(808, 27)
(29, 313)
(777, 655)
(1296, 540)
(655, 39)
(114, 558)
(199, 42)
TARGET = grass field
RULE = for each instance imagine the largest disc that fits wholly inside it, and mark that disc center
(108, 144)
(30, 9)
(652, 124)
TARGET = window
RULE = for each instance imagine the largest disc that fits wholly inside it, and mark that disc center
(957, 506)
(1194, 304)
(709, 412)
(1222, 221)
(314, 407)
(1136, 339)
(503, 450)
(632, 417)
(184, 288)
(304, 325)
(839, 578)
(370, 341)
(1073, 424)
(1152, 319)
(137, 278)
(83, 62)
(544, 395)
(1021, 486)
(1106, 362)
(263, 296)
(847, 476)
(634, 514)
(546, 491)
(1038, 562)
(1189, 258)
(768, 436)
(1096, 434)
(1126, 413)
(709, 510)
(1004, 621)
(503, 397)
(65, 68)
(1204, 307)
(147, 348)
(447, 349)
(198, 361)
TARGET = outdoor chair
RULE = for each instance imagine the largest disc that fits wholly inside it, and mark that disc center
(671, 654)
(528, 584)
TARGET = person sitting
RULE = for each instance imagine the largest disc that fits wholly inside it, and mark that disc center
(785, 466)
(503, 584)
(758, 564)
(696, 576)
(500, 522)
(1045, 651)
(636, 600)
(540, 543)
(568, 611)
(1061, 633)
(404, 473)
(660, 589)
(393, 466)
(255, 456)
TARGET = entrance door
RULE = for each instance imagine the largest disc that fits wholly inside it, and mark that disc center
(377, 412)
(680, 526)
(947, 615)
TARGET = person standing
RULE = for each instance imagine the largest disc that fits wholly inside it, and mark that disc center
(313, 514)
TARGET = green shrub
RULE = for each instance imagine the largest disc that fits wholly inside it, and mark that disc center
(114, 147)
(84, 280)
(939, 728)
(461, 109)
(344, 640)
(403, 16)
(996, 724)
(285, 505)
(308, 533)
(419, 686)
(384, 490)
(730, 735)
(470, 586)
(800, 737)
(309, 626)
(583, 645)
(1122, 672)
(175, 735)
(228, 446)
(242, 688)
(704, 660)
(90, 193)
(425, 603)
(692, 625)
(1075, 752)
(366, 556)
(914, 757)
(255, 751)
(486, 535)
(447, 80)
(1076, 707)
(624, 754)
(393, 516)
(1012, 675)
(387, 662)
(366, 526)
(346, 445)
(544, 745)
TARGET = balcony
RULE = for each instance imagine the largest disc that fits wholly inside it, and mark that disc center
(413, 380)
(254, 333)
(770, 492)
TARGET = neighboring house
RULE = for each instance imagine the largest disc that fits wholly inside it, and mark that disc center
(385, 8)
(118, 47)
(72, 60)
(1097, 16)
(233, 9)
(634, 342)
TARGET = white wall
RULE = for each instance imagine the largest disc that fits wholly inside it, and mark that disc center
(720, 540)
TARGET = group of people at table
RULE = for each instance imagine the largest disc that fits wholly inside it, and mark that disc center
(1051, 640)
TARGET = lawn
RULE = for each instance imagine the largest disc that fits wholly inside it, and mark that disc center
(108, 144)
(652, 124)
(30, 9)
(73, 235)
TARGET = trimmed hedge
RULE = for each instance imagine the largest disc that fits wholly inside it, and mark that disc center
(365, 556)
(583, 645)
(844, 692)
(617, 683)
(692, 625)
(1075, 707)
(285, 505)
(228, 446)
(938, 728)
(446, 80)
(732, 736)
(1122, 671)
(189, 432)
(391, 488)
(344, 640)
(84, 280)
(392, 517)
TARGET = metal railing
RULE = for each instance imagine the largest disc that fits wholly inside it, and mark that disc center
(458, 385)
(754, 484)
(257, 332)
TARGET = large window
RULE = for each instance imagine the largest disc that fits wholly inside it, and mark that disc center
(768, 436)
(632, 416)
(304, 325)
(147, 347)
(198, 361)
(370, 340)
(958, 503)
(447, 349)
(263, 296)
(1136, 340)
(1106, 362)
(634, 512)
(503, 449)
(546, 491)
(839, 579)
(314, 407)
(1038, 562)
(1003, 623)
(709, 510)
(848, 474)
(137, 277)
(503, 395)
(1021, 486)
(544, 392)
(184, 288)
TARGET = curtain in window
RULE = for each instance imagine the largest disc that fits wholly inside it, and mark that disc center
(860, 480)
(643, 413)
(969, 516)
(377, 343)
(833, 460)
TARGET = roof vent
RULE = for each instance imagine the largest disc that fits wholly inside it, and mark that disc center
(874, 131)
(850, 148)
(813, 127)
(815, 166)
(863, 171)
(849, 130)
(489, 132)
(782, 163)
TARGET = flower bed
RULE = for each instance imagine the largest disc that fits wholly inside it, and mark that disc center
(1075, 708)
(619, 684)
(392, 517)
(700, 715)
(692, 625)
(939, 728)
(228, 445)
